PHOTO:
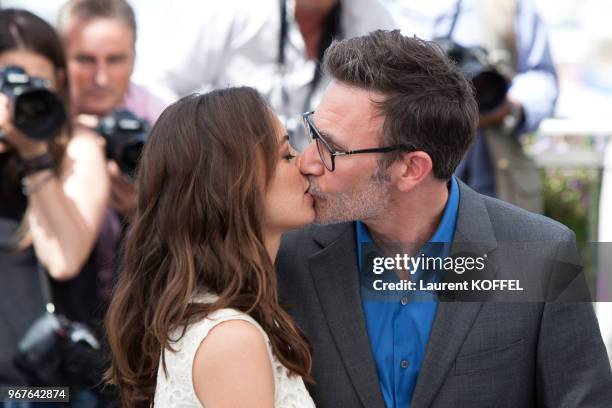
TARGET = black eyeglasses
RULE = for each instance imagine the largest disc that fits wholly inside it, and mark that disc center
(328, 153)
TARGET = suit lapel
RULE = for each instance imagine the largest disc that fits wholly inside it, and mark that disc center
(336, 278)
(454, 320)
(451, 326)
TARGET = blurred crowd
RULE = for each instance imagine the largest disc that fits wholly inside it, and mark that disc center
(72, 123)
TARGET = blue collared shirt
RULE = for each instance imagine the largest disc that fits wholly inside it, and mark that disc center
(399, 322)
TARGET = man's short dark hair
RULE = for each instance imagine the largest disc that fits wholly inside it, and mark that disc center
(119, 10)
(428, 103)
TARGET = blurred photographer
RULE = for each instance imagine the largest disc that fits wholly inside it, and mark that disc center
(275, 46)
(99, 38)
(54, 190)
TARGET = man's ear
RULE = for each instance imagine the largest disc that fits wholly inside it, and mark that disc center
(411, 170)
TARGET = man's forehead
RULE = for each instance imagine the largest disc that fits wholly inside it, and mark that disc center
(345, 106)
(98, 28)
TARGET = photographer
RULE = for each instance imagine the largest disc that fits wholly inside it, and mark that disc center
(99, 39)
(54, 189)
(274, 46)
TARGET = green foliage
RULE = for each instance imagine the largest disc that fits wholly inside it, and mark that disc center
(571, 197)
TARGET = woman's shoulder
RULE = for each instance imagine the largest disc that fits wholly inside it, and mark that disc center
(234, 362)
(220, 315)
(225, 350)
(224, 322)
(222, 331)
(232, 335)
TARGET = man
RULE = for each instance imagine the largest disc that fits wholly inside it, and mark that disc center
(274, 46)
(388, 134)
(99, 38)
(516, 39)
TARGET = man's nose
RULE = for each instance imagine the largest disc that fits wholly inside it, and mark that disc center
(310, 162)
(101, 75)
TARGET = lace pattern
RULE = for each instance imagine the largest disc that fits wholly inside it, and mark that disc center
(176, 389)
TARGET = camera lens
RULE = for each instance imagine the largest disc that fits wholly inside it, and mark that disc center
(491, 89)
(39, 114)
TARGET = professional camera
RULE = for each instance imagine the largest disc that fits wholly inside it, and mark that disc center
(125, 135)
(35, 110)
(475, 63)
(56, 351)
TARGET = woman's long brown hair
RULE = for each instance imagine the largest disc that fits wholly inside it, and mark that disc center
(198, 225)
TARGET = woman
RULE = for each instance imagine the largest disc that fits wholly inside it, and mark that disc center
(195, 319)
(53, 193)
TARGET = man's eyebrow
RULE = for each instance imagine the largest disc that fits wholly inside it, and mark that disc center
(328, 136)
(331, 139)
(83, 55)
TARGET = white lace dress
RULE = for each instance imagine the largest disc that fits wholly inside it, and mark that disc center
(176, 390)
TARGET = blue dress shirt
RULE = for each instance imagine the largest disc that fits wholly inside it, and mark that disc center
(399, 322)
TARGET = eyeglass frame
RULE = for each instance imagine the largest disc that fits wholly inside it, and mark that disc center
(308, 124)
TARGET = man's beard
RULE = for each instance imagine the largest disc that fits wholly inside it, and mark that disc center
(366, 202)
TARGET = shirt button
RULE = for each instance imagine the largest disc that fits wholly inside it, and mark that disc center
(404, 364)
(404, 300)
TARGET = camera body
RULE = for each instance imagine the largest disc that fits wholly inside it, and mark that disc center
(125, 135)
(55, 351)
(490, 85)
(35, 110)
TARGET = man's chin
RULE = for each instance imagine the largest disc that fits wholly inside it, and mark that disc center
(97, 108)
(323, 216)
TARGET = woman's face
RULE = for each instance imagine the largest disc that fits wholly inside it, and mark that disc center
(33, 64)
(288, 205)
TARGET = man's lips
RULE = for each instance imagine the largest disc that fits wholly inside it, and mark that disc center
(314, 192)
(99, 93)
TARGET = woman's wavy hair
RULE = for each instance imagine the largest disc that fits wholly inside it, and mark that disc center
(201, 186)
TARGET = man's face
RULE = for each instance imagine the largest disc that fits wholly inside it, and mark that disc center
(357, 189)
(101, 56)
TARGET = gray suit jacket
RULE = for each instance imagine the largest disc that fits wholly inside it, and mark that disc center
(480, 354)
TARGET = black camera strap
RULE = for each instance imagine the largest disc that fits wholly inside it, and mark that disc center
(331, 29)
(45, 287)
(282, 37)
(451, 29)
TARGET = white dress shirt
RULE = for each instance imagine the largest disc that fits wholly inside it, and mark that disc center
(236, 43)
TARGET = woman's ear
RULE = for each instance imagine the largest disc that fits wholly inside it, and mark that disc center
(412, 169)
